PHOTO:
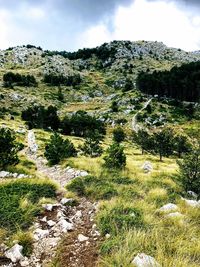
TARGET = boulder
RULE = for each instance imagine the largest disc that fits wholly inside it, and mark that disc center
(169, 208)
(147, 167)
(143, 260)
(192, 203)
(15, 253)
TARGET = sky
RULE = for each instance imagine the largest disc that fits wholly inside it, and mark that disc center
(73, 24)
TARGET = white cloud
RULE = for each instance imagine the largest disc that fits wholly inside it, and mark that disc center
(143, 20)
(35, 13)
(4, 22)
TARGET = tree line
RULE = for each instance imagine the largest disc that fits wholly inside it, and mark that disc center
(78, 124)
(56, 80)
(10, 79)
(181, 83)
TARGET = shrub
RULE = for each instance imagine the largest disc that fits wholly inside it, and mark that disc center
(8, 148)
(190, 171)
(115, 157)
(58, 149)
(118, 135)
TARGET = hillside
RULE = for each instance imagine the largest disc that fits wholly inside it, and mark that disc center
(93, 170)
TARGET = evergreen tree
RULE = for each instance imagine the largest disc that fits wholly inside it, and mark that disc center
(163, 142)
(58, 149)
(8, 148)
(115, 157)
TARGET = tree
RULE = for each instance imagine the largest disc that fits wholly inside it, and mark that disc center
(190, 171)
(118, 135)
(60, 94)
(115, 157)
(58, 149)
(181, 144)
(8, 148)
(92, 146)
(163, 142)
(143, 139)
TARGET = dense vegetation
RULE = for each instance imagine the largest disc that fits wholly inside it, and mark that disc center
(41, 117)
(181, 83)
(8, 148)
(10, 79)
(56, 80)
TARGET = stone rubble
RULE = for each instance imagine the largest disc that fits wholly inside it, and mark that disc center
(6, 174)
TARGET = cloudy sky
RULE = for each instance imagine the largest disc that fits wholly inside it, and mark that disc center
(73, 24)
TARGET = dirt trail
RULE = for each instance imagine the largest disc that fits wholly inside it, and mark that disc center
(135, 126)
(72, 251)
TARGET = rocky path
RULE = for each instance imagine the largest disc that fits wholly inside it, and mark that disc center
(63, 225)
(134, 125)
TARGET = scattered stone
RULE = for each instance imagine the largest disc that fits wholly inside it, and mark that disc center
(192, 194)
(192, 203)
(51, 223)
(65, 201)
(169, 208)
(143, 260)
(147, 167)
(15, 253)
(40, 233)
(82, 238)
(107, 236)
(33, 147)
(65, 226)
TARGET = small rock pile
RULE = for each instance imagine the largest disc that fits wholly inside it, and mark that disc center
(5, 174)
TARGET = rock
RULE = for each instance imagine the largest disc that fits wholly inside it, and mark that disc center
(192, 194)
(107, 236)
(40, 233)
(83, 173)
(44, 219)
(50, 207)
(51, 223)
(15, 253)
(147, 167)
(82, 238)
(192, 203)
(143, 260)
(65, 201)
(65, 226)
(4, 174)
(169, 208)
(25, 262)
(78, 214)
(31, 142)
